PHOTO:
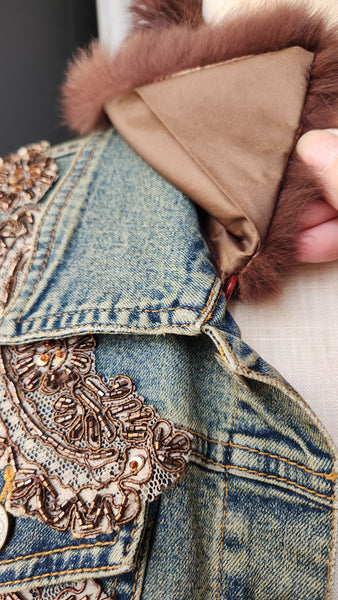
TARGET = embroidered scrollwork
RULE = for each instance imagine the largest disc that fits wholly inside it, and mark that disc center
(101, 450)
(25, 177)
(51, 365)
(78, 590)
(15, 237)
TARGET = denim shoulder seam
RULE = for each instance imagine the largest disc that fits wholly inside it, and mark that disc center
(332, 476)
(284, 387)
(227, 467)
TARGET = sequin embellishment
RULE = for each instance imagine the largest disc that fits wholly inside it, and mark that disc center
(86, 453)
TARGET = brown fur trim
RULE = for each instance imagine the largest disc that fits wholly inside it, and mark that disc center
(162, 13)
(148, 55)
(152, 54)
(264, 274)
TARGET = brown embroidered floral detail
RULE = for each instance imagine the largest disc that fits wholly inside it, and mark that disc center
(53, 364)
(168, 444)
(25, 176)
(87, 589)
(98, 450)
(15, 236)
(13, 229)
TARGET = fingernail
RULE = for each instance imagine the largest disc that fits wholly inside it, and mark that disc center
(319, 148)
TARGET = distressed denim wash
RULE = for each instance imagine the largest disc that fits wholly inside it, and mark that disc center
(118, 255)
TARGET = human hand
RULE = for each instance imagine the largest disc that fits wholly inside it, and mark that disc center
(318, 241)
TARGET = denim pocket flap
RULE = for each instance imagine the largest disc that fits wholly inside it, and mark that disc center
(35, 555)
(82, 455)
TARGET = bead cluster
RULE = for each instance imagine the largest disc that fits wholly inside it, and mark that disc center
(25, 176)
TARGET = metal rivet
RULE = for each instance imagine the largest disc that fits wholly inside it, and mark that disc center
(3, 526)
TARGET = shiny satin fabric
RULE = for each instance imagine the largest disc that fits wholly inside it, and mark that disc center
(223, 135)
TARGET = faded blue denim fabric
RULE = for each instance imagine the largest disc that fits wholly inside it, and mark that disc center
(119, 254)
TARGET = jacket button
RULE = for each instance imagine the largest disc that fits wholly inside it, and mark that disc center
(3, 526)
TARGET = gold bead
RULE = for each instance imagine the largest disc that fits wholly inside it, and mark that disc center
(136, 463)
(42, 360)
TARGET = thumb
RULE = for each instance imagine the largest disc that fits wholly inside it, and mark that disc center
(319, 150)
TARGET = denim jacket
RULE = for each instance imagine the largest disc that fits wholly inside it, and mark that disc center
(147, 452)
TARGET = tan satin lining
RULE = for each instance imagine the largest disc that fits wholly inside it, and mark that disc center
(158, 148)
(223, 136)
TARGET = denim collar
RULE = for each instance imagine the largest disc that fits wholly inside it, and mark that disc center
(117, 249)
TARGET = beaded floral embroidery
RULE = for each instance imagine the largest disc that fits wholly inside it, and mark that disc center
(86, 454)
(25, 177)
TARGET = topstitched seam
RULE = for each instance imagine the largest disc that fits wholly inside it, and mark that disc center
(65, 178)
(283, 480)
(112, 328)
(261, 375)
(269, 378)
(45, 262)
(77, 570)
(330, 476)
(281, 385)
(110, 310)
(136, 575)
(67, 572)
(331, 548)
(226, 492)
(268, 475)
(229, 348)
(64, 149)
(114, 588)
(59, 550)
(210, 315)
(130, 539)
(209, 297)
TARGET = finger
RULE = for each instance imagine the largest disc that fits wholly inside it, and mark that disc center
(319, 244)
(318, 212)
(319, 150)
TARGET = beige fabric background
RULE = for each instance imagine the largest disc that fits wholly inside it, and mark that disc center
(297, 333)
(214, 10)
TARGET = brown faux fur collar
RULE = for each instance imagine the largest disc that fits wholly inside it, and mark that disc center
(169, 36)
